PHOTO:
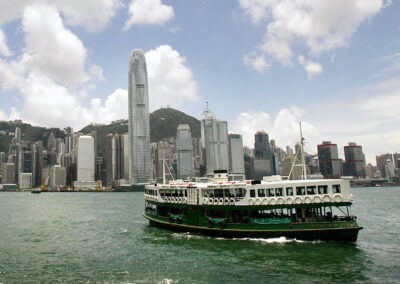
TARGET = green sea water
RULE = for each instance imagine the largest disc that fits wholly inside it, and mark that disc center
(103, 238)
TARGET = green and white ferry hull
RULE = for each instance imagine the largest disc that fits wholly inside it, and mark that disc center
(302, 209)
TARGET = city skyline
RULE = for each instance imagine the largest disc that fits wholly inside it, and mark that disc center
(340, 80)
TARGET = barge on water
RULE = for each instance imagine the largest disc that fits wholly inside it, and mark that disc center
(301, 209)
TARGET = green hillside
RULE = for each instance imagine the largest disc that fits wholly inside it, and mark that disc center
(165, 121)
(29, 133)
(163, 124)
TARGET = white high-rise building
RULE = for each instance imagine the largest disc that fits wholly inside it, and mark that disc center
(184, 151)
(57, 176)
(214, 138)
(125, 142)
(236, 155)
(85, 165)
(140, 170)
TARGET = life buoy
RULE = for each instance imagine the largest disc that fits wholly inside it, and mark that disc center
(307, 199)
(298, 200)
(338, 198)
(251, 201)
(327, 198)
(272, 201)
(215, 201)
(289, 200)
(173, 199)
(281, 201)
(317, 199)
(210, 201)
(221, 201)
(258, 201)
(265, 201)
(227, 201)
(232, 201)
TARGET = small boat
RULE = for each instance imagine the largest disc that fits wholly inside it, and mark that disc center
(36, 190)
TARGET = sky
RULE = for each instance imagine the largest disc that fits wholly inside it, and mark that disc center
(260, 65)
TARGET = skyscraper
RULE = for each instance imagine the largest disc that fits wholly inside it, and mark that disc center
(355, 161)
(236, 157)
(329, 163)
(86, 159)
(139, 120)
(214, 140)
(184, 152)
(263, 158)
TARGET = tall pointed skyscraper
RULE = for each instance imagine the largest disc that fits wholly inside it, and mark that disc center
(139, 120)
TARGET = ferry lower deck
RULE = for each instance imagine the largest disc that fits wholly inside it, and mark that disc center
(306, 223)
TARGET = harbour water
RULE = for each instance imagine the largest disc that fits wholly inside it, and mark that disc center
(102, 237)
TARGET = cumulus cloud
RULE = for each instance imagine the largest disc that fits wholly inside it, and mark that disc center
(312, 68)
(320, 25)
(284, 129)
(93, 15)
(51, 73)
(148, 12)
(248, 123)
(51, 48)
(171, 81)
(255, 62)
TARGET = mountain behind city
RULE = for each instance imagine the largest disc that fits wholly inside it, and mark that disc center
(163, 125)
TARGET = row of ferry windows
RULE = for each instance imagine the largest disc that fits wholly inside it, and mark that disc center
(300, 190)
(262, 192)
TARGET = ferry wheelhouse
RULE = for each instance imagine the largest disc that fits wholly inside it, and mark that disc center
(301, 209)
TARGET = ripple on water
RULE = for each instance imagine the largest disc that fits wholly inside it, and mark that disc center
(103, 238)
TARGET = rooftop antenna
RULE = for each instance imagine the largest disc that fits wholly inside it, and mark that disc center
(302, 153)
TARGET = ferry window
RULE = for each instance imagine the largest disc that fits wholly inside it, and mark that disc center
(278, 191)
(185, 192)
(168, 192)
(289, 191)
(300, 190)
(218, 193)
(252, 193)
(311, 190)
(271, 192)
(336, 188)
(240, 192)
(322, 189)
(261, 192)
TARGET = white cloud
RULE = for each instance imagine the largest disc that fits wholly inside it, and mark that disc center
(4, 50)
(51, 73)
(171, 82)
(248, 123)
(370, 120)
(321, 25)
(312, 68)
(284, 129)
(93, 15)
(256, 62)
(52, 49)
(148, 12)
(114, 107)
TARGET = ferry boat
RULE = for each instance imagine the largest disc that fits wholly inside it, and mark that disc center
(300, 209)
